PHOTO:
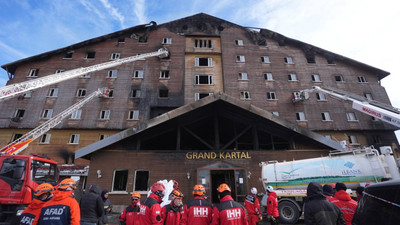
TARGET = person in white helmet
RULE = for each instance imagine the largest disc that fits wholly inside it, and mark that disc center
(253, 207)
(272, 206)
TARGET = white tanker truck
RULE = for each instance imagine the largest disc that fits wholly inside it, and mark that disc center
(355, 167)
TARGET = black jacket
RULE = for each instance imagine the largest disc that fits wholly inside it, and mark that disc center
(92, 207)
(318, 210)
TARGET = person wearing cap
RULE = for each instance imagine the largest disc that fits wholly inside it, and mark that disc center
(129, 215)
(272, 206)
(198, 211)
(42, 194)
(92, 206)
(343, 200)
(107, 206)
(228, 212)
(319, 211)
(150, 209)
(253, 207)
(171, 214)
(62, 209)
(327, 190)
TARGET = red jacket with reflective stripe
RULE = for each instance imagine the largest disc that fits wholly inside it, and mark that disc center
(252, 205)
(229, 212)
(197, 212)
(129, 214)
(31, 212)
(150, 211)
(347, 205)
(171, 216)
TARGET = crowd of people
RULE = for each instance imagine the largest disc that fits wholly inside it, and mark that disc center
(325, 205)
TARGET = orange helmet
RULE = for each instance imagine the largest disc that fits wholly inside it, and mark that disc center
(177, 194)
(68, 182)
(199, 189)
(44, 188)
(223, 187)
(135, 195)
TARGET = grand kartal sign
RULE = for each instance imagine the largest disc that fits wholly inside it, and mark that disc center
(217, 155)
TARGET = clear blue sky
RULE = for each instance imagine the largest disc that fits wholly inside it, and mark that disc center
(364, 30)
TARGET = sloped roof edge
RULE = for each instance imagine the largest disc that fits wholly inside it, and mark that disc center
(85, 151)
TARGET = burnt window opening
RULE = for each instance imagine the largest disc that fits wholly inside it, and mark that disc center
(141, 180)
(90, 55)
(68, 55)
(142, 39)
(262, 43)
(339, 78)
(164, 74)
(135, 93)
(110, 93)
(121, 40)
(20, 113)
(163, 93)
(310, 59)
(16, 137)
(377, 139)
(330, 61)
(198, 43)
(120, 180)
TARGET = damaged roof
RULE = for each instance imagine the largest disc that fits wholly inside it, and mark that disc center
(231, 106)
(195, 25)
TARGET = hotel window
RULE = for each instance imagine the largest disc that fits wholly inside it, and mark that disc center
(16, 137)
(121, 40)
(265, 59)
(239, 42)
(198, 96)
(33, 73)
(115, 56)
(292, 77)
(163, 93)
(268, 76)
(243, 76)
(60, 71)
(74, 139)
(103, 136)
(110, 93)
(204, 79)
(167, 41)
(138, 74)
(310, 59)
(105, 114)
(81, 93)
(320, 97)
(45, 139)
(85, 76)
(206, 62)
(68, 55)
(352, 140)
(326, 116)
(339, 78)
(275, 113)
(164, 74)
(271, 96)
(19, 113)
(120, 180)
(141, 180)
(288, 60)
(315, 78)
(76, 115)
(53, 92)
(361, 79)
(300, 116)
(351, 116)
(112, 74)
(245, 95)
(240, 58)
(133, 115)
(90, 55)
(47, 113)
(202, 43)
(135, 93)
(368, 96)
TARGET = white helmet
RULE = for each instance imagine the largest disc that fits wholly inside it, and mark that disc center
(270, 189)
(253, 190)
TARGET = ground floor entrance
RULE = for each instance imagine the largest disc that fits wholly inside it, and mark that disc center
(213, 175)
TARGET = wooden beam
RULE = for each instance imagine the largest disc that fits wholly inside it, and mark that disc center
(198, 138)
(237, 136)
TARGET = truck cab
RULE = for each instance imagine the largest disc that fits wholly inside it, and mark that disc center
(19, 177)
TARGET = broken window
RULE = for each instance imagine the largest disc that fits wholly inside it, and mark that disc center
(361, 79)
(133, 115)
(310, 59)
(81, 93)
(120, 180)
(121, 40)
(19, 113)
(243, 76)
(164, 74)
(110, 93)
(163, 93)
(135, 93)
(33, 73)
(16, 137)
(105, 114)
(204, 79)
(68, 55)
(245, 95)
(74, 139)
(271, 96)
(339, 78)
(141, 180)
(330, 61)
(199, 43)
(326, 116)
(115, 56)
(90, 54)
(203, 62)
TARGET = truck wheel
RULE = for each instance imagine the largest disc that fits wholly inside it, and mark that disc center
(288, 213)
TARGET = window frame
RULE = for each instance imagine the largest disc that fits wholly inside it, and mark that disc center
(243, 76)
(301, 117)
(166, 41)
(18, 111)
(321, 97)
(115, 56)
(52, 93)
(76, 113)
(351, 117)
(314, 76)
(271, 96)
(326, 116)
(245, 95)
(240, 58)
(291, 76)
(137, 91)
(352, 140)
(239, 42)
(210, 79)
(135, 178)
(133, 114)
(339, 76)
(265, 61)
(362, 79)
(46, 114)
(268, 75)
(164, 74)
(33, 73)
(81, 92)
(74, 139)
(45, 139)
(105, 114)
(112, 74)
(92, 55)
(197, 62)
(138, 74)
(197, 95)
(113, 181)
(103, 136)
(288, 60)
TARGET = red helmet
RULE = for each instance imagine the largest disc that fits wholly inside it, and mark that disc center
(158, 189)
(223, 187)
(199, 189)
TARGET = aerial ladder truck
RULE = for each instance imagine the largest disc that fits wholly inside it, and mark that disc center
(21, 174)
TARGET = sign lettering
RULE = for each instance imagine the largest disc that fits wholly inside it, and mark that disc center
(219, 155)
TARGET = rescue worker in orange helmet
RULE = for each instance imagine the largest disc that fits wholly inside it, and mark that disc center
(150, 209)
(199, 210)
(62, 209)
(129, 215)
(253, 207)
(228, 212)
(43, 193)
(171, 214)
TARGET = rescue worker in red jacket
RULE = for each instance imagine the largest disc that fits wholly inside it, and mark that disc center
(129, 215)
(343, 200)
(228, 212)
(171, 214)
(62, 209)
(272, 206)
(150, 209)
(253, 207)
(199, 210)
(43, 193)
